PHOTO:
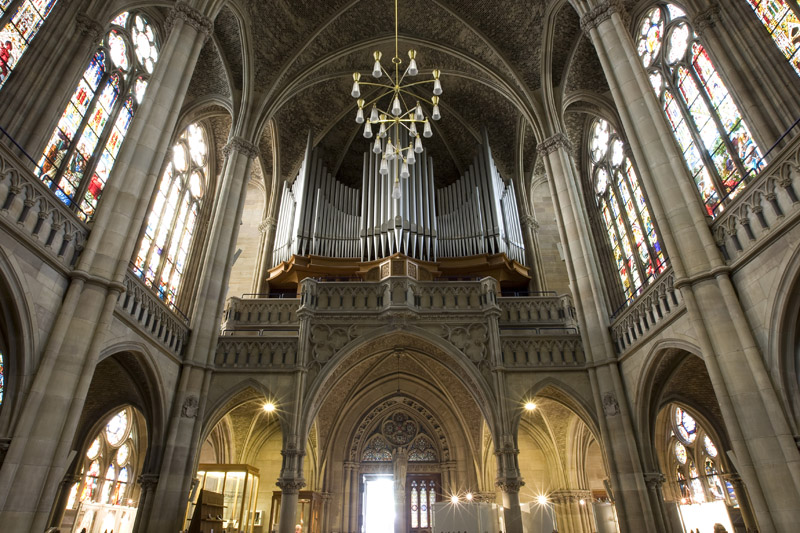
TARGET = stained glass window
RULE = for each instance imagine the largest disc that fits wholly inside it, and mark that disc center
(711, 449)
(632, 235)
(19, 31)
(117, 427)
(377, 449)
(422, 450)
(783, 25)
(717, 145)
(94, 449)
(680, 453)
(422, 497)
(84, 146)
(161, 260)
(686, 425)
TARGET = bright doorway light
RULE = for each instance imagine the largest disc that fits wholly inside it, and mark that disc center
(378, 505)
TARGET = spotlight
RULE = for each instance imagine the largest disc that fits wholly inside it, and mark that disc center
(269, 407)
(469, 496)
(530, 406)
(582, 501)
(454, 498)
(541, 499)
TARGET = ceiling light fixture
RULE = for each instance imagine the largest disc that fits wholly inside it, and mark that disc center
(392, 113)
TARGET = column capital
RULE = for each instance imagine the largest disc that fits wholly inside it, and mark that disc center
(291, 485)
(267, 223)
(509, 484)
(653, 480)
(571, 496)
(529, 222)
(148, 481)
(551, 144)
(602, 12)
(88, 27)
(191, 16)
(241, 145)
(706, 19)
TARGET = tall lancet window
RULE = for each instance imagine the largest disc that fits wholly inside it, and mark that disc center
(161, 260)
(631, 233)
(717, 145)
(26, 17)
(783, 26)
(83, 148)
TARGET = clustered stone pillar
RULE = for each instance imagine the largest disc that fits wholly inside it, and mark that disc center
(509, 480)
(290, 483)
(38, 456)
(148, 483)
(530, 229)
(349, 495)
(763, 447)
(573, 510)
(613, 414)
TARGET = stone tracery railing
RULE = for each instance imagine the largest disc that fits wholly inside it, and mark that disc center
(31, 211)
(152, 315)
(648, 312)
(767, 203)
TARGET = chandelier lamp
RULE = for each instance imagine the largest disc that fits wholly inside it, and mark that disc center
(397, 109)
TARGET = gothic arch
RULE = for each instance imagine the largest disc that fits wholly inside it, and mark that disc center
(385, 340)
(561, 392)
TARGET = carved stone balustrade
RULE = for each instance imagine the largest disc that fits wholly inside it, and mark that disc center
(140, 306)
(33, 215)
(537, 310)
(762, 209)
(653, 309)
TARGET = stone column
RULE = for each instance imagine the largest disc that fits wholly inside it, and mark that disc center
(290, 489)
(347, 496)
(355, 492)
(148, 483)
(530, 230)
(400, 468)
(572, 515)
(589, 295)
(744, 504)
(512, 514)
(765, 452)
(37, 459)
(654, 480)
(267, 229)
(62, 498)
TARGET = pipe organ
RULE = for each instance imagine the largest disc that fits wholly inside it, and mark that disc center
(477, 214)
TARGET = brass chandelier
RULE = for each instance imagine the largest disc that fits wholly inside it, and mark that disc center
(400, 117)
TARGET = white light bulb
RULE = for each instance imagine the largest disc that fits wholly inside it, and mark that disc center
(373, 115)
(376, 148)
(411, 159)
(382, 133)
(384, 167)
(436, 114)
(427, 132)
(396, 194)
(404, 170)
(367, 130)
(360, 116)
(376, 70)
(418, 145)
(356, 90)
(437, 87)
(412, 131)
(412, 68)
(389, 150)
(418, 115)
(396, 109)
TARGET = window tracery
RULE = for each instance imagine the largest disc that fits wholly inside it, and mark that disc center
(783, 26)
(377, 450)
(83, 148)
(422, 450)
(20, 30)
(690, 445)
(716, 142)
(108, 464)
(631, 233)
(161, 260)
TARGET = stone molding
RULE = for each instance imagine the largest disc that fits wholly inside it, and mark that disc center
(551, 144)
(567, 496)
(290, 485)
(597, 15)
(242, 146)
(707, 19)
(510, 484)
(654, 480)
(148, 481)
(267, 223)
(88, 27)
(192, 17)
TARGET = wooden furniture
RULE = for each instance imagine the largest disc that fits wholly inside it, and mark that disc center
(208, 511)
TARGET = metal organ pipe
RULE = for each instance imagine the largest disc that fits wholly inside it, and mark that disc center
(476, 214)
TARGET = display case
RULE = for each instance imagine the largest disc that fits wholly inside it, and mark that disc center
(309, 509)
(238, 485)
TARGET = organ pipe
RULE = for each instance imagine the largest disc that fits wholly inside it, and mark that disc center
(477, 214)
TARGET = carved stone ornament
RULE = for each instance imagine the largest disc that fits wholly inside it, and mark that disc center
(529, 221)
(551, 144)
(88, 27)
(269, 222)
(510, 484)
(190, 407)
(291, 486)
(148, 481)
(706, 19)
(595, 16)
(189, 15)
(653, 480)
(243, 146)
(610, 404)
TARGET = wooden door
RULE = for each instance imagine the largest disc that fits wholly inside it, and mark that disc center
(422, 490)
